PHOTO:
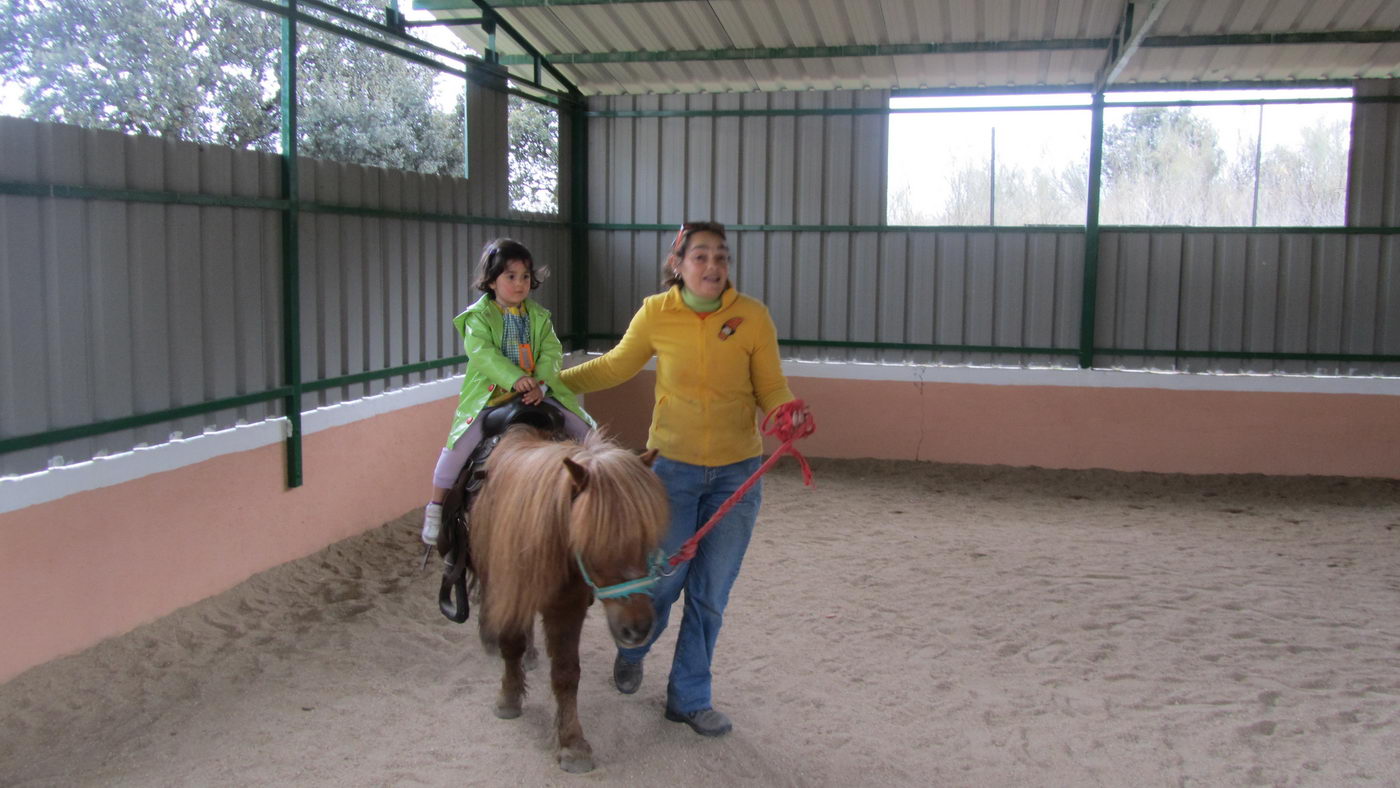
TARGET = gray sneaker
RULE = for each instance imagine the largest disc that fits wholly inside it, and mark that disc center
(627, 676)
(706, 722)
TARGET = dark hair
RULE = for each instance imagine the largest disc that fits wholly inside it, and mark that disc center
(498, 254)
(669, 275)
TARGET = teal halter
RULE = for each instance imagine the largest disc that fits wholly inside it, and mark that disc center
(641, 585)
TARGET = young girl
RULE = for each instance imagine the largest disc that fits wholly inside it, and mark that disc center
(511, 350)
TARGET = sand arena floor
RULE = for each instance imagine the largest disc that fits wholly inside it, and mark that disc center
(898, 624)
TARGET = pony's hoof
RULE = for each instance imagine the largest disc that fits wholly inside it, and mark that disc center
(507, 711)
(575, 761)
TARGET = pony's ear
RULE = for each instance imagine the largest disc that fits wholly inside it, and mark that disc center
(580, 475)
(649, 456)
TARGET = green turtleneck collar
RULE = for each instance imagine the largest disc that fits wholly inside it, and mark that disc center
(699, 304)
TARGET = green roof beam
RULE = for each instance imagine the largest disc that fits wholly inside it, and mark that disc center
(1274, 39)
(453, 5)
(957, 47)
(1126, 41)
(787, 53)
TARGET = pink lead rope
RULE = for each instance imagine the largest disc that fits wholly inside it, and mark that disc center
(780, 424)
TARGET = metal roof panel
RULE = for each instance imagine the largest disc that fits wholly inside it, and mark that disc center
(654, 30)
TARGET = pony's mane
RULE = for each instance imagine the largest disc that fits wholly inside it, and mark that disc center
(526, 524)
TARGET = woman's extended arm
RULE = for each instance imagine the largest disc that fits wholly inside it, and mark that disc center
(617, 365)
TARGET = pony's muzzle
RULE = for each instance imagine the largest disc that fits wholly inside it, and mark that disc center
(630, 621)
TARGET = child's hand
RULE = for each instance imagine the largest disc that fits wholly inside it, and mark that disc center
(533, 397)
(525, 384)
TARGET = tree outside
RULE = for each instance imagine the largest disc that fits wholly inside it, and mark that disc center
(1161, 166)
(533, 156)
(207, 71)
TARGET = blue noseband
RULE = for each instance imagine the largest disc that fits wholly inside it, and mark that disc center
(641, 585)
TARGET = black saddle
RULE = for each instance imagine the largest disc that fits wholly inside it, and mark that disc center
(453, 542)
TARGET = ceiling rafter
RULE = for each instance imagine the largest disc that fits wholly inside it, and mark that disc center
(455, 5)
(962, 47)
(1126, 41)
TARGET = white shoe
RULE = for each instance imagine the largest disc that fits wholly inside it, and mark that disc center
(432, 523)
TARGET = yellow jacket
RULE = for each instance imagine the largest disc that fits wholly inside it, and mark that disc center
(710, 375)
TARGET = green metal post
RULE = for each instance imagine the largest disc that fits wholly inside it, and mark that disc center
(578, 213)
(291, 269)
(1091, 237)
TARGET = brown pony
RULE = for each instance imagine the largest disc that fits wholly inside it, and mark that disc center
(547, 507)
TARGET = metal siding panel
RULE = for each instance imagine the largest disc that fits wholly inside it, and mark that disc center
(923, 295)
(310, 279)
(395, 276)
(647, 154)
(1292, 315)
(353, 305)
(749, 270)
(251, 314)
(780, 268)
(674, 144)
(186, 286)
(1197, 286)
(376, 307)
(621, 166)
(1069, 278)
(1106, 296)
(890, 305)
(1009, 312)
(727, 162)
(1388, 309)
(836, 291)
(1329, 294)
(1041, 296)
(23, 377)
(1229, 299)
(1262, 298)
(1363, 281)
(109, 284)
(217, 262)
(1162, 319)
(700, 158)
(863, 286)
(443, 258)
(837, 162)
(783, 155)
(754, 183)
(949, 264)
(67, 296)
(807, 304)
(600, 174)
(810, 152)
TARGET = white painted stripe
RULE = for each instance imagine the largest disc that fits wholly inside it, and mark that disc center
(1093, 378)
(18, 492)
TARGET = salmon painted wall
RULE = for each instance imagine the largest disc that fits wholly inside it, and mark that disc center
(97, 563)
(77, 567)
(1117, 427)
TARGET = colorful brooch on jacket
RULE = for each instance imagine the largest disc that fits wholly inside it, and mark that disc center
(729, 325)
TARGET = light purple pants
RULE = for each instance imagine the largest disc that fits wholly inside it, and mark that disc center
(451, 460)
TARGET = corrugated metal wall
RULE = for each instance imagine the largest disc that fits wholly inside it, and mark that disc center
(120, 307)
(112, 308)
(1249, 292)
(1209, 291)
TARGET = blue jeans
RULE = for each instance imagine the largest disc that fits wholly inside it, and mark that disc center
(696, 492)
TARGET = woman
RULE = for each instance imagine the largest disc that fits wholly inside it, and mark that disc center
(716, 361)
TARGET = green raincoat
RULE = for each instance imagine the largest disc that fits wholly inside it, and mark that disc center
(482, 326)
